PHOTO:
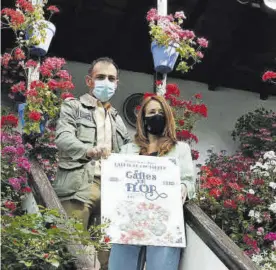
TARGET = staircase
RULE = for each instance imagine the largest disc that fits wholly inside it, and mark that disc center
(208, 247)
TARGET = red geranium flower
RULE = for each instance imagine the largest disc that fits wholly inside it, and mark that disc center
(199, 108)
(172, 89)
(240, 198)
(147, 94)
(19, 87)
(66, 95)
(230, 204)
(9, 120)
(26, 190)
(45, 71)
(202, 42)
(10, 205)
(216, 193)
(35, 116)
(30, 63)
(25, 5)
(186, 135)
(215, 181)
(32, 93)
(198, 96)
(158, 83)
(269, 75)
(16, 17)
(37, 84)
(234, 186)
(107, 239)
(181, 122)
(53, 84)
(19, 54)
(5, 59)
(66, 85)
(258, 182)
(195, 155)
(53, 9)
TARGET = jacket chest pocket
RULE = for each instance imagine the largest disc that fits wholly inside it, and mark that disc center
(86, 131)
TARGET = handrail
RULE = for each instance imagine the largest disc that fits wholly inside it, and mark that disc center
(222, 246)
(46, 196)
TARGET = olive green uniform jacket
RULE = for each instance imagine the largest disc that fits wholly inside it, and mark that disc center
(77, 132)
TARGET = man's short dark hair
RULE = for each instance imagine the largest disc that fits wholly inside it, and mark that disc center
(103, 60)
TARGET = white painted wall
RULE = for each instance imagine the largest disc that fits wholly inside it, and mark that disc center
(225, 105)
(198, 256)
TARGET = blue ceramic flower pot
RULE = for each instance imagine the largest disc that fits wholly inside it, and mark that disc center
(164, 57)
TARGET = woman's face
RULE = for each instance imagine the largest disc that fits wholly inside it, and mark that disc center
(153, 107)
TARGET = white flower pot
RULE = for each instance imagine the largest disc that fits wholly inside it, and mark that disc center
(42, 48)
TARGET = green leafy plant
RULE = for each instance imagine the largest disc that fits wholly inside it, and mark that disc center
(266, 260)
(39, 241)
(238, 193)
(45, 151)
(14, 166)
(256, 132)
(35, 241)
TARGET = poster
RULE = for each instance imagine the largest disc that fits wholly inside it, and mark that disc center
(141, 196)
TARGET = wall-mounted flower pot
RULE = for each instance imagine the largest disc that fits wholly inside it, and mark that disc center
(21, 109)
(164, 57)
(42, 48)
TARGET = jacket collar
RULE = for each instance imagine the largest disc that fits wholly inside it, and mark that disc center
(89, 101)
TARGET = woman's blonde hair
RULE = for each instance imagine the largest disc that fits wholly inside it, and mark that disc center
(168, 139)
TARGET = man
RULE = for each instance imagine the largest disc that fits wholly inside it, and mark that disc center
(88, 129)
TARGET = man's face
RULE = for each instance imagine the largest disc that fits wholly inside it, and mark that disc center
(102, 71)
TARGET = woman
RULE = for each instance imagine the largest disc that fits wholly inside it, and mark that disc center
(155, 136)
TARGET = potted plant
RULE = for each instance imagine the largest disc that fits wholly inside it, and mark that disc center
(169, 41)
(43, 95)
(31, 28)
(269, 76)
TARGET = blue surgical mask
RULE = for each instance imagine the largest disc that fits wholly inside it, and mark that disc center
(104, 90)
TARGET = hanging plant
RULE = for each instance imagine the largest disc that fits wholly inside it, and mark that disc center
(44, 95)
(269, 76)
(170, 40)
(31, 28)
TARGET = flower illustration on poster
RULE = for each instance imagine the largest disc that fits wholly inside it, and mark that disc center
(145, 222)
(146, 207)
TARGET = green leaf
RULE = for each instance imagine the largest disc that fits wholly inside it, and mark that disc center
(25, 231)
(28, 264)
(54, 262)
